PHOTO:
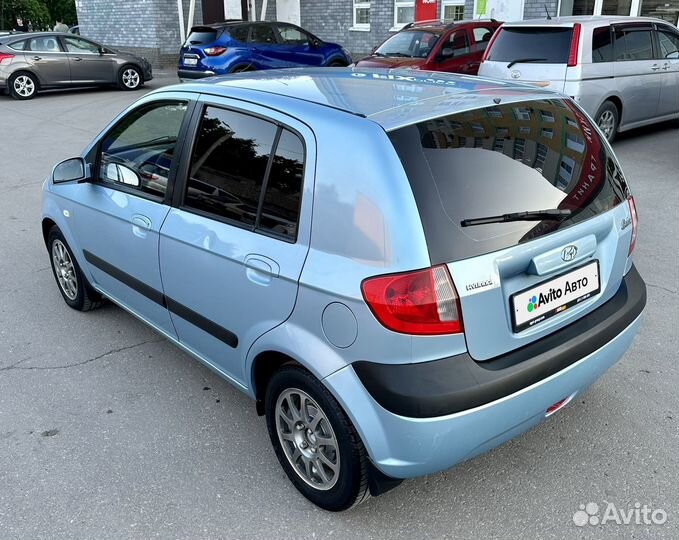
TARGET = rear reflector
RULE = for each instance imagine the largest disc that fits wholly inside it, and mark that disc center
(559, 405)
(635, 224)
(5, 58)
(575, 44)
(214, 51)
(423, 302)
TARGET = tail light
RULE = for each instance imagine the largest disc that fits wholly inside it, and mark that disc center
(575, 45)
(214, 51)
(423, 302)
(635, 224)
(5, 58)
(490, 44)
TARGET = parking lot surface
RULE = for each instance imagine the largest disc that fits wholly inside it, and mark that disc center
(109, 431)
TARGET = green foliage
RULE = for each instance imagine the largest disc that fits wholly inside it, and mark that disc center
(42, 13)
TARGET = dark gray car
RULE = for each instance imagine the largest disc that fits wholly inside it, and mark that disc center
(36, 61)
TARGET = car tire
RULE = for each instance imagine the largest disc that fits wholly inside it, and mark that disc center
(23, 85)
(608, 119)
(73, 286)
(337, 63)
(315, 443)
(130, 78)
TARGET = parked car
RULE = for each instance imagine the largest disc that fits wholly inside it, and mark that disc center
(236, 46)
(391, 315)
(30, 63)
(624, 71)
(432, 45)
(74, 30)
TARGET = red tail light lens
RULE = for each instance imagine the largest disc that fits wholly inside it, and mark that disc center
(490, 44)
(214, 51)
(423, 302)
(575, 45)
(635, 224)
(5, 58)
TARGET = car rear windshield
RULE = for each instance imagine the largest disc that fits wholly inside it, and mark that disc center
(539, 44)
(409, 44)
(523, 156)
(201, 36)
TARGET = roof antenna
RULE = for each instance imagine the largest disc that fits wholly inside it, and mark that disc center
(549, 17)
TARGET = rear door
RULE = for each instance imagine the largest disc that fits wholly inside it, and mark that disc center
(516, 157)
(48, 60)
(233, 246)
(295, 47)
(638, 74)
(264, 43)
(667, 54)
(530, 54)
(88, 64)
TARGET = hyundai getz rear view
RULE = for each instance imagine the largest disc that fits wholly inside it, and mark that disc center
(400, 284)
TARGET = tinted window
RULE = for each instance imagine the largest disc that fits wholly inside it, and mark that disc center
(669, 44)
(239, 33)
(633, 45)
(559, 164)
(77, 45)
(18, 45)
(456, 44)
(261, 33)
(229, 160)
(547, 45)
(292, 36)
(138, 151)
(280, 211)
(201, 37)
(415, 43)
(482, 36)
(44, 44)
(602, 47)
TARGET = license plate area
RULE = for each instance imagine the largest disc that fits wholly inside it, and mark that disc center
(190, 60)
(540, 302)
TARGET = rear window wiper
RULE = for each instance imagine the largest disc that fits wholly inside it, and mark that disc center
(534, 215)
(523, 60)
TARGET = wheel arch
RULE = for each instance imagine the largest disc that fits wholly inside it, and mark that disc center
(47, 224)
(29, 72)
(264, 365)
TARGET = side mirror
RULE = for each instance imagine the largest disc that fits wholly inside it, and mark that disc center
(102, 51)
(69, 170)
(446, 53)
(315, 43)
(116, 172)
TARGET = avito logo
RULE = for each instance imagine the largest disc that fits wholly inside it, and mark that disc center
(537, 301)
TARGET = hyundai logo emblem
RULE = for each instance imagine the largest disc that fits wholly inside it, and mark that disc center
(569, 252)
(516, 74)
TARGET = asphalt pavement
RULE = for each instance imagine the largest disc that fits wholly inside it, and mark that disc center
(109, 431)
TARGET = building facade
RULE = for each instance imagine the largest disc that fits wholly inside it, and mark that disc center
(156, 28)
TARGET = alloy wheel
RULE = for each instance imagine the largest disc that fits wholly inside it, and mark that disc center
(131, 78)
(64, 269)
(307, 438)
(24, 86)
(607, 123)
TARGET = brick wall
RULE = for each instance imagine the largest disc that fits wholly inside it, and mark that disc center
(535, 9)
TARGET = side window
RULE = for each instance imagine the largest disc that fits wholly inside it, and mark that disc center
(669, 44)
(280, 211)
(18, 45)
(482, 36)
(292, 36)
(77, 45)
(44, 44)
(138, 151)
(240, 33)
(457, 44)
(602, 47)
(633, 45)
(228, 164)
(262, 33)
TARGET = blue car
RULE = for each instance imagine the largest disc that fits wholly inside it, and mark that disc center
(402, 271)
(233, 47)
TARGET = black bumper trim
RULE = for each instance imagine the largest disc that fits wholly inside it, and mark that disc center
(459, 383)
(186, 74)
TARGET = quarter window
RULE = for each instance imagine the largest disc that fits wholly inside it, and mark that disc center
(239, 33)
(138, 151)
(602, 47)
(633, 45)
(18, 45)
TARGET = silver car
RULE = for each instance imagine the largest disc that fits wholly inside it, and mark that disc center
(624, 71)
(33, 62)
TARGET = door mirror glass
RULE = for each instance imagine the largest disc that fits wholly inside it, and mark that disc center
(117, 172)
(446, 52)
(70, 170)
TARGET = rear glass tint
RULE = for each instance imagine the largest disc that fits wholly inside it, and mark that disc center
(201, 37)
(539, 44)
(532, 155)
(602, 45)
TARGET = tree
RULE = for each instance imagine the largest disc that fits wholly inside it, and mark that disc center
(62, 10)
(41, 13)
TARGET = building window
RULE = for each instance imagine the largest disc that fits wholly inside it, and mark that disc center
(519, 149)
(540, 156)
(547, 116)
(522, 113)
(361, 14)
(453, 10)
(499, 145)
(565, 172)
(524, 130)
(547, 133)
(575, 142)
(404, 12)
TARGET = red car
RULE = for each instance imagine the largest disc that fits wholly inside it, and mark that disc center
(434, 45)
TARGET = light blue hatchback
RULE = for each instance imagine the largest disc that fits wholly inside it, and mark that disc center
(402, 270)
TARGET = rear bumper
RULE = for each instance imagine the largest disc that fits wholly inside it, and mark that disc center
(185, 74)
(515, 397)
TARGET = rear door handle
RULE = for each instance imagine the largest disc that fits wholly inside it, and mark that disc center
(36, 58)
(261, 269)
(77, 59)
(655, 67)
(140, 225)
(666, 66)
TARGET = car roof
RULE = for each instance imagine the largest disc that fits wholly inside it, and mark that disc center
(584, 20)
(391, 97)
(438, 27)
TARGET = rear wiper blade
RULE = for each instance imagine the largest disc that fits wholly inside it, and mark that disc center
(523, 60)
(534, 215)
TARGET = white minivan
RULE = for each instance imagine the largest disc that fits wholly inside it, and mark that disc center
(624, 71)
